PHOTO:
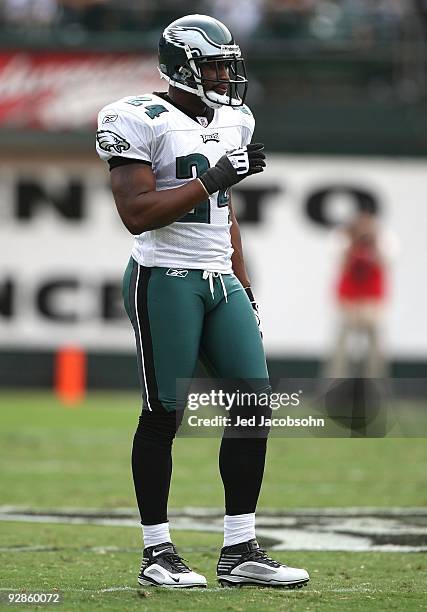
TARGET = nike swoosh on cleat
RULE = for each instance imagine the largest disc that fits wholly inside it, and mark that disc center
(175, 579)
(160, 552)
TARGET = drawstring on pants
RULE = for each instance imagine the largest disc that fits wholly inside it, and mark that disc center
(210, 276)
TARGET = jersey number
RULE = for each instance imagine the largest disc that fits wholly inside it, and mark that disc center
(184, 170)
(155, 110)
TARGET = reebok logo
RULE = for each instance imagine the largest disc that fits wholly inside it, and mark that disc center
(109, 118)
(210, 137)
(177, 272)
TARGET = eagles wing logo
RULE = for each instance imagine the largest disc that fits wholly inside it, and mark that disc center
(210, 137)
(198, 41)
(182, 36)
(110, 141)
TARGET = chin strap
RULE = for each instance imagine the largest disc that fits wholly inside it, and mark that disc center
(212, 98)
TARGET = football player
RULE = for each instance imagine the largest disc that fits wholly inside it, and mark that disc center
(173, 158)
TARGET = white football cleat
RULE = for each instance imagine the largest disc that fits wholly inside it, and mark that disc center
(247, 563)
(162, 566)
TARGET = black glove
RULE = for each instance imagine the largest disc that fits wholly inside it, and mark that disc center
(255, 307)
(233, 167)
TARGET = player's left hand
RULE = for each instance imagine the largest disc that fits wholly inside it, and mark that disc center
(255, 307)
(233, 167)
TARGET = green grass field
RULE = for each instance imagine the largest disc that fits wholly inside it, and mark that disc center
(55, 457)
(80, 566)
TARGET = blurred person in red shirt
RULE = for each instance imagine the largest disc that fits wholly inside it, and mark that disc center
(361, 292)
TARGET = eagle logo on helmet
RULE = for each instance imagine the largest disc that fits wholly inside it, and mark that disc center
(187, 37)
(194, 38)
(110, 141)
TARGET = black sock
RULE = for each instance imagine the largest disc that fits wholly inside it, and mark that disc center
(241, 463)
(152, 464)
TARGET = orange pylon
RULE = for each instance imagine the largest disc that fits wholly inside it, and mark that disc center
(70, 375)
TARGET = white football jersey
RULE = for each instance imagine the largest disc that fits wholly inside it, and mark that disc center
(178, 148)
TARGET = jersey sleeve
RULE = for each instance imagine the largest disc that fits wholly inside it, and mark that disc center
(122, 134)
(248, 125)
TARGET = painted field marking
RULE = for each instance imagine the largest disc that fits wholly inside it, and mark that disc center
(329, 529)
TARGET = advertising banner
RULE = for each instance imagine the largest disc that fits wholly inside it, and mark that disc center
(64, 250)
(63, 91)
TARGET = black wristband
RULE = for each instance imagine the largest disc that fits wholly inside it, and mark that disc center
(250, 294)
(211, 180)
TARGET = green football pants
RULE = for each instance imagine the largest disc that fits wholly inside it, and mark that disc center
(180, 315)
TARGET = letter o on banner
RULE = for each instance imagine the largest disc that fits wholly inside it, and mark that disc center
(317, 203)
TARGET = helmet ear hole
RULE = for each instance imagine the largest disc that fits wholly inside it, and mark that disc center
(184, 71)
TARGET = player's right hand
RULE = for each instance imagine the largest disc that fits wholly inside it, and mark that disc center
(233, 167)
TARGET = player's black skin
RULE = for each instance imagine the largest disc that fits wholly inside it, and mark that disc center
(141, 207)
(193, 103)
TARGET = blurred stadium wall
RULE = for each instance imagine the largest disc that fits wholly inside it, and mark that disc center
(339, 90)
